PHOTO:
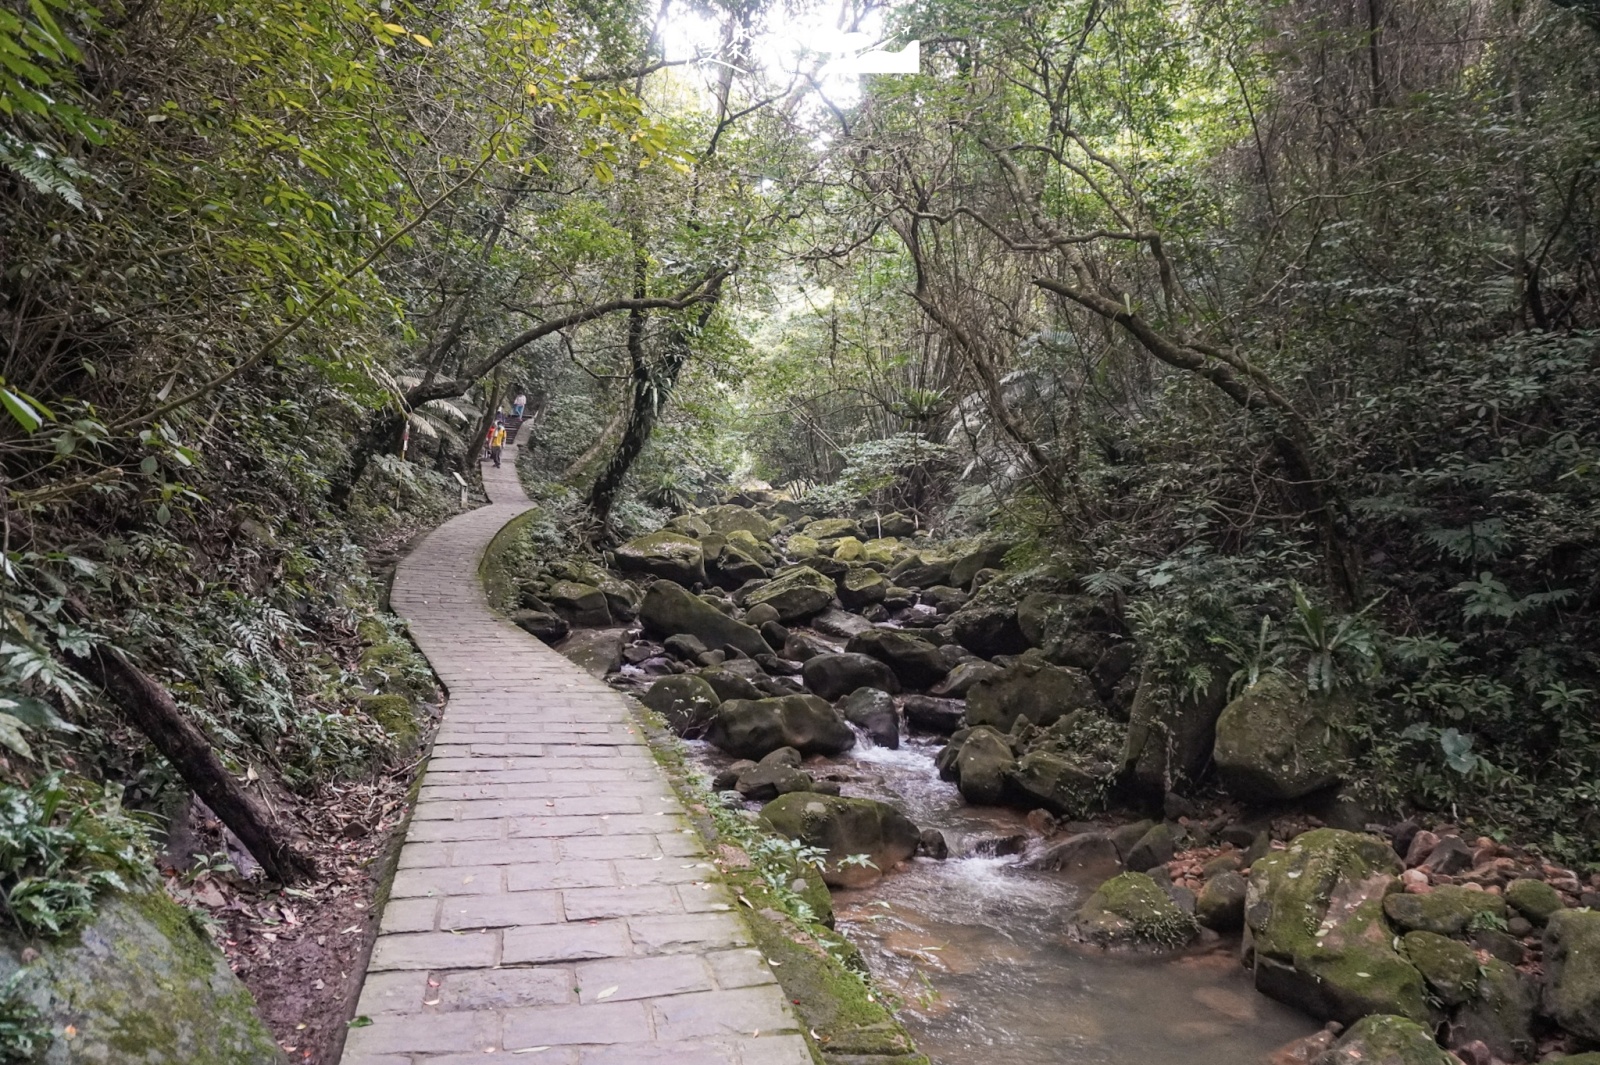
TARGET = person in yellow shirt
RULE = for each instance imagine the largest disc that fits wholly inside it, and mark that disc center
(497, 440)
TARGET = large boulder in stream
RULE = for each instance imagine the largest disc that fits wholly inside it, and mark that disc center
(1572, 971)
(916, 662)
(687, 701)
(729, 518)
(989, 556)
(963, 675)
(982, 765)
(668, 610)
(754, 728)
(938, 716)
(580, 604)
(988, 629)
(861, 586)
(833, 529)
(835, 676)
(1131, 910)
(1276, 742)
(796, 594)
(140, 983)
(1384, 1039)
(671, 555)
(1316, 931)
(1029, 689)
(595, 651)
(1171, 733)
(918, 570)
(873, 711)
(1069, 766)
(863, 838)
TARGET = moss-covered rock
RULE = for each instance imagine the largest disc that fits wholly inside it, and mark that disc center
(1131, 910)
(398, 717)
(1317, 931)
(981, 766)
(1385, 1040)
(729, 518)
(1029, 689)
(988, 556)
(1572, 971)
(1449, 966)
(799, 546)
(1499, 1014)
(915, 662)
(920, 570)
(849, 549)
(670, 555)
(1275, 742)
(1535, 900)
(686, 701)
(754, 728)
(796, 594)
(1171, 735)
(1219, 905)
(988, 629)
(580, 604)
(1447, 911)
(834, 676)
(668, 610)
(141, 985)
(881, 550)
(752, 547)
(730, 565)
(833, 529)
(849, 830)
(1059, 783)
(861, 586)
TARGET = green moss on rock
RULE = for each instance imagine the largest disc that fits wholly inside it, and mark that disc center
(1534, 899)
(1316, 922)
(397, 716)
(1386, 1040)
(1275, 742)
(1447, 911)
(1450, 967)
(1131, 910)
(143, 986)
(1572, 971)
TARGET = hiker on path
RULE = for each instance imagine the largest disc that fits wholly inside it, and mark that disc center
(518, 404)
(497, 440)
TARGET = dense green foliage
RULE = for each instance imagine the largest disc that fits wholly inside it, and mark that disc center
(1273, 326)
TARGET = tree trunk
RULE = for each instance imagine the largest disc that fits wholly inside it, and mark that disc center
(651, 388)
(475, 449)
(382, 432)
(152, 711)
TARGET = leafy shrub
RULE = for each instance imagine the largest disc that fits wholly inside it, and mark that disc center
(62, 843)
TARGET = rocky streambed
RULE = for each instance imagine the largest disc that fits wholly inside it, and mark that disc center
(1042, 848)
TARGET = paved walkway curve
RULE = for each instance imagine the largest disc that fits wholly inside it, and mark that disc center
(551, 899)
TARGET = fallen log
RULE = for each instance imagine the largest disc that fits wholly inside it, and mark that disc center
(150, 709)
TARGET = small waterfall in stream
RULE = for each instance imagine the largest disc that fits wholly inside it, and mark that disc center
(977, 947)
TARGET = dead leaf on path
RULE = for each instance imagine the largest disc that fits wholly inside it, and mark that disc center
(607, 993)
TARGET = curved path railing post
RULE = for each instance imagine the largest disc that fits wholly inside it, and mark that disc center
(550, 898)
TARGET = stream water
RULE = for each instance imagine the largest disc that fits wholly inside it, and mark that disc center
(978, 948)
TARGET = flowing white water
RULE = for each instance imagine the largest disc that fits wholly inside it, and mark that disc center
(978, 949)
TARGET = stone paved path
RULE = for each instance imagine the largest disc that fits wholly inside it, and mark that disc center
(552, 903)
